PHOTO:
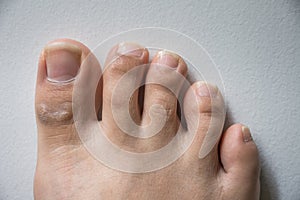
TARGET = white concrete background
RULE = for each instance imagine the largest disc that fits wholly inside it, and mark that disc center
(256, 45)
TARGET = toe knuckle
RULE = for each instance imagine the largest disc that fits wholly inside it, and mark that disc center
(53, 115)
(166, 106)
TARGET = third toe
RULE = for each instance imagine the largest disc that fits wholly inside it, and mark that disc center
(164, 81)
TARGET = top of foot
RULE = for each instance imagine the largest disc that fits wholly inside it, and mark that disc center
(209, 169)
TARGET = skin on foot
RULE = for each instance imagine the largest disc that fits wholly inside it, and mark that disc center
(66, 170)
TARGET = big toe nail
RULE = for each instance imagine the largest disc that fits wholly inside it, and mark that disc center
(59, 63)
(62, 61)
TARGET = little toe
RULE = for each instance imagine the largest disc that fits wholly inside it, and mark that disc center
(238, 151)
(239, 157)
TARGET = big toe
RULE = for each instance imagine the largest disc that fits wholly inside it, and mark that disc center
(59, 65)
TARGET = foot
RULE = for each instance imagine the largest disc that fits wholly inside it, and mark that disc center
(66, 170)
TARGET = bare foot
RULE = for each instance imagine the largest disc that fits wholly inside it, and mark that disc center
(66, 170)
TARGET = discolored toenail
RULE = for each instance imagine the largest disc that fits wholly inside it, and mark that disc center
(62, 61)
(206, 90)
(246, 134)
(167, 58)
(130, 49)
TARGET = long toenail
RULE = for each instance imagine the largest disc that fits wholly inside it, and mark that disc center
(130, 49)
(62, 61)
(206, 90)
(246, 134)
(167, 58)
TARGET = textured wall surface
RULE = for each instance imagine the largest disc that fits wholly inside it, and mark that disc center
(255, 44)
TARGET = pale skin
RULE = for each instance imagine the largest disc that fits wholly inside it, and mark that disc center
(66, 170)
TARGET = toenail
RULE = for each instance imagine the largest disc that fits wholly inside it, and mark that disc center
(130, 49)
(62, 61)
(206, 90)
(167, 58)
(246, 134)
